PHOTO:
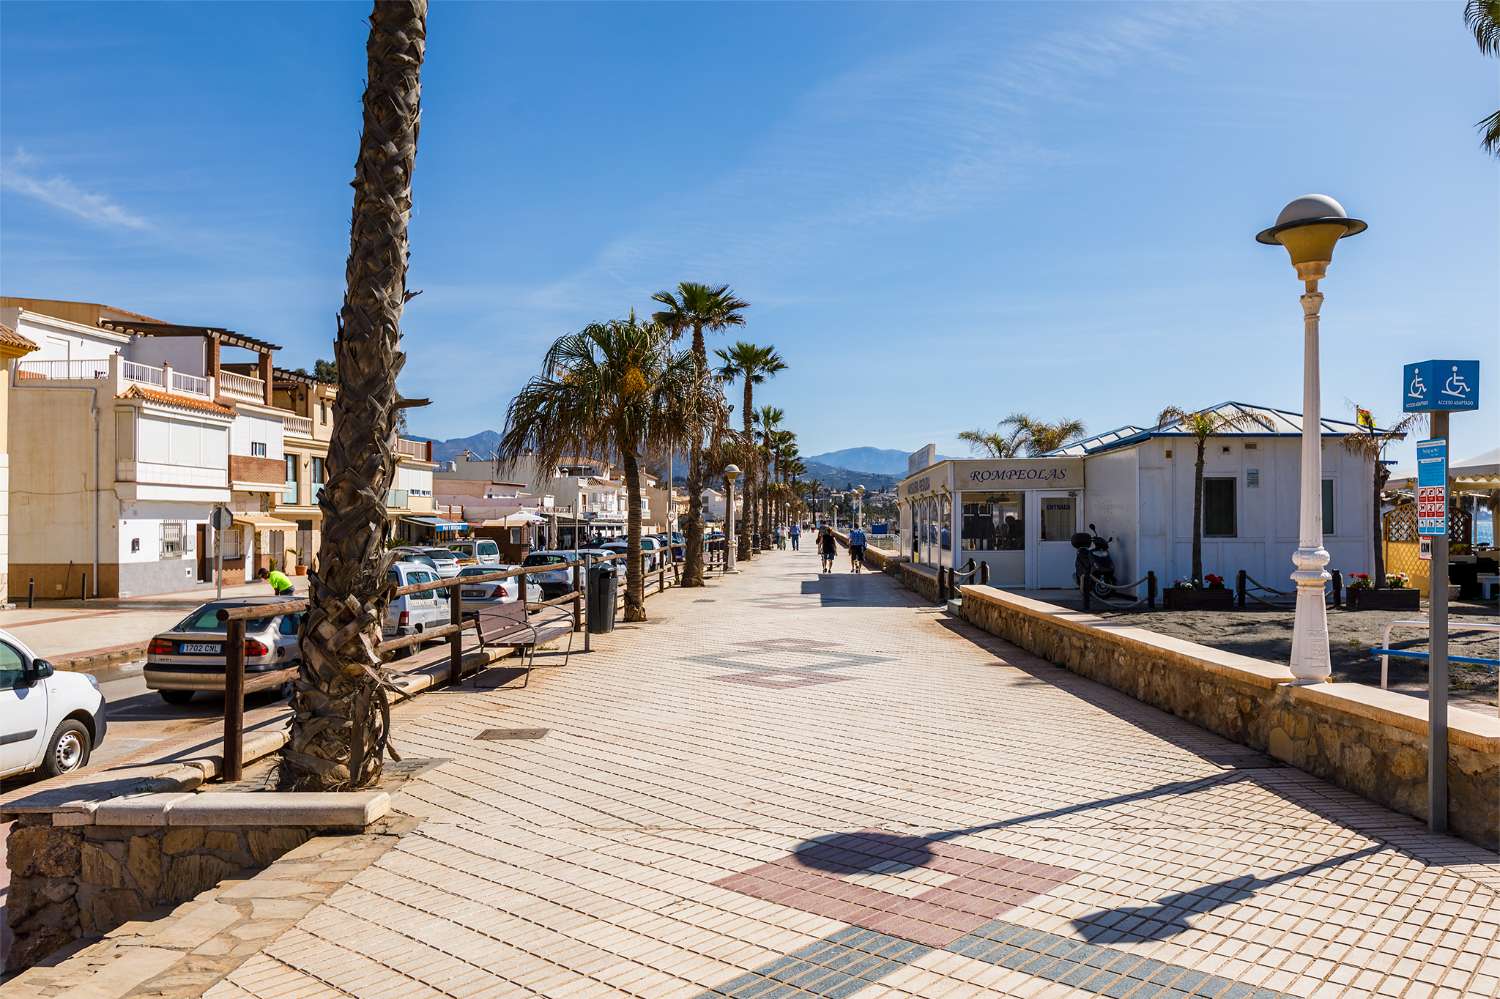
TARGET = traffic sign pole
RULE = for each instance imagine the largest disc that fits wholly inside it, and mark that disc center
(1437, 643)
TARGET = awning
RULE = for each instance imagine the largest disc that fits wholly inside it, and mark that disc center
(521, 519)
(264, 522)
(436, 523)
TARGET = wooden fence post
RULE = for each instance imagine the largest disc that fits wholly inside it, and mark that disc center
(455, 640)
(234, 700)
(1151, 589)
(1239, 589)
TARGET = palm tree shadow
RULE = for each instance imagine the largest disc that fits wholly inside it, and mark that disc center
(1169, 915)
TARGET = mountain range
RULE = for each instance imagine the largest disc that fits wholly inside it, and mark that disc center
(881, 460)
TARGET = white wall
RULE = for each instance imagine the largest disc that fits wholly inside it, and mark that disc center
(417, 481)
(249, 428)
(1111, 503)
(188, 354)
(142, 521)
(58, 340)
(162, 440)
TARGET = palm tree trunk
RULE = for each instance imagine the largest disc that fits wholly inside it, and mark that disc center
(340, 717)
(1198, 516)
(743, 542)
(692, 563)
(635, 580)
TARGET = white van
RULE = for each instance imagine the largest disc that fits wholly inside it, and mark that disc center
(49, 720)
(476, 551)
(414, 613)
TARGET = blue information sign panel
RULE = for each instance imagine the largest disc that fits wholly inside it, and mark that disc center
(1440, 386)
(1432, 487)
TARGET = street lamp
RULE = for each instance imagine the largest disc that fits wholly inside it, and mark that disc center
(731, 472)
(1308, 228)
(859, 506)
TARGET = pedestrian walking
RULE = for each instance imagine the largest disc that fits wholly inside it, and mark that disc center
(856, 549)
(828, 548)
(796, 537)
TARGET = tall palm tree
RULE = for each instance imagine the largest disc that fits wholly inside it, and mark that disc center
(340, 714)
(698, 307)
(1201, 424)
(1370, 443)
(1483, 19)
(989, 443)
(1036, 437)
(603, 390)
(768, 418)
(751, 365)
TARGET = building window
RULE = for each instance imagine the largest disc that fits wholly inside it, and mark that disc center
(171, 539)
(316, 479)
(1328, 523)
(289, 494)
(992, 522)
(1219, 508)
(257, 449)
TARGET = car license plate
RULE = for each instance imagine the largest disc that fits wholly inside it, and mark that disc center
(476, 593)
(200, 648)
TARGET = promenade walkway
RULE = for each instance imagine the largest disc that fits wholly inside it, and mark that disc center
(794, 785)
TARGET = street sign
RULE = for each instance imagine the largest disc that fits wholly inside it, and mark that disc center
(1432, 487)
(1440, 386)
(222, 518)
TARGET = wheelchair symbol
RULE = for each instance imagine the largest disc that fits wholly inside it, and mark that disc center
(1418, 388)
(1456, 386)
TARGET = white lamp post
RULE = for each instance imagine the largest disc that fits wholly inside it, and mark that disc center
(859, 506)
(731, 472)
(1309, 227)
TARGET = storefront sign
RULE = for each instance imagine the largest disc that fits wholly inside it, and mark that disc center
(1022, 473)
(1432, 487)
(915, 486)
(1440, 386)
(918, 460)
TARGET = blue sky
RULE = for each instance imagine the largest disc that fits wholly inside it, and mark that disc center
(941, 214)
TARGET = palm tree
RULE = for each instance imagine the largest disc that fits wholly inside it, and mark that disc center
(1202, 424)
(991, 443)
(751, 364)
(1037, 437)
(697, 307)
(604, 391)
(1483, 19)
(769, 420)
(340, 713)
(1370, 443)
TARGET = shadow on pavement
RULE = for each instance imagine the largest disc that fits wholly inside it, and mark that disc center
(865, 589)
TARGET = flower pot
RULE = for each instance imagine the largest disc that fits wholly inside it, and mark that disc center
(300, 570)
(1365, 598)
(1176, 598)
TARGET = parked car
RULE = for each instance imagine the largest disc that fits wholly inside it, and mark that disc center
(553, 582)
(191, 656)
(49, 720)
(446, 561)
(496, 591)
(414, 613)
(418, 556)
(653, 551)
(476, 551)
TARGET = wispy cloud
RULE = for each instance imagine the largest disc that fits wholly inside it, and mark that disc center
(22, 174)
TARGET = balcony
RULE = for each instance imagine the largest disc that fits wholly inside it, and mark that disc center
(238, 386)
(299, 425)
(120, 372)
(420, 450)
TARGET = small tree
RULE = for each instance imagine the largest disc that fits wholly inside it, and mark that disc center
(1202, 424)
(1370, 443)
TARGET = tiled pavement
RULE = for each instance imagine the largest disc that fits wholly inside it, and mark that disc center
(789, 785)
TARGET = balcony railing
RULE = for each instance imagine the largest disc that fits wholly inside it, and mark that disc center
(242, 386)
(297, 424)
(145, 374)
(116, 367)
(190, 384)
(397, 499)
(420, 450)
(65, 371)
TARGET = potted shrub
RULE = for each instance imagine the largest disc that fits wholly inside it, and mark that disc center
(1184, 594)
(1397, 595)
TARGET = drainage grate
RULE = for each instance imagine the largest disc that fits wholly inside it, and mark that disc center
(502, 734)
(707, 600)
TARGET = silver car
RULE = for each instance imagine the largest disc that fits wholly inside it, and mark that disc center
(190, 657)
(446, 561)
(496, 591)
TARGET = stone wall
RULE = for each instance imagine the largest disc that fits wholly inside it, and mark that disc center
(1371, 741)
(77, 881)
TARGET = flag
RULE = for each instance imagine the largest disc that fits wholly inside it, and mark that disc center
(1364, 418)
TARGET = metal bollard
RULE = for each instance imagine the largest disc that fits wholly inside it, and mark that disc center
(984, 574)
(30, 592)
(1151, 589)
(1239, 589)
(83, 587)
(1088, 588)
(1338, 588)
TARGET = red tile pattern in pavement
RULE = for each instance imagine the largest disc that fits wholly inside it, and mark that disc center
(983, 885)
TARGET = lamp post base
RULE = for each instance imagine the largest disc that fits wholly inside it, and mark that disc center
(1310, 659)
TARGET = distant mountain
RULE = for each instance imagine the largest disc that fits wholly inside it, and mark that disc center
(482, 444)
(881, 460)
(842, 478)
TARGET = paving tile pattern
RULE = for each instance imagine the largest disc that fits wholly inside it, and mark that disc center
(678, 835)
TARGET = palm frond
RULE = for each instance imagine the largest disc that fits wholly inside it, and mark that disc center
(1483, 19)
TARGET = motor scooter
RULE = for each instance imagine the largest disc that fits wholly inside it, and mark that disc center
(1094, 561)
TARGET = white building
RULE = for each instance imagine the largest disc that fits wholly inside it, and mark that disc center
(1136, 485)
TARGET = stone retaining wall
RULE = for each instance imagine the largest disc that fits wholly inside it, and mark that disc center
(1371, 741)
(75, 881)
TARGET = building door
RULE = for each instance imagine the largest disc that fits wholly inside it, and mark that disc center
(205, 556)
(1057, 520)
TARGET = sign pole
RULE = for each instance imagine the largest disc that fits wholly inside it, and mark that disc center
(1437, 643)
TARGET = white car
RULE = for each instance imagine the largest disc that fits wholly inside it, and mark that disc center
(447, 561)
(480, 551)
(49, 720)
(496, 591)
(653, 552)
(414, 613)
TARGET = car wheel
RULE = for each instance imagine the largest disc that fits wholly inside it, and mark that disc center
(68, 749)
(176, 696)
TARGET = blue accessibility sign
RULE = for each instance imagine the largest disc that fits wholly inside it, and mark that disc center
(1432, 487)
(1440, 386)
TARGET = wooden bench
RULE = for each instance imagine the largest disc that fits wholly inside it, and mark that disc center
(515, 625)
